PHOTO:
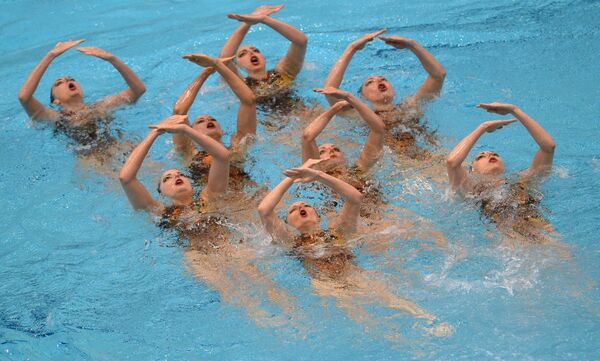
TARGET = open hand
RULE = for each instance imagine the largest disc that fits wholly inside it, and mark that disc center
(334, 92)
(61, 47)
(398, 42)
(172, 124)
(498, 108)
(267, 9)
(360, 43)
(206, 60)
(97, 52)
(493, 125)
(249, 19)
(302, 175)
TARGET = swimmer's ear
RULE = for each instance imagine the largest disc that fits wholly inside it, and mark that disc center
(470, 168)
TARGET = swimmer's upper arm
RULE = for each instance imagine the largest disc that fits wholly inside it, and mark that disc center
(37, 111)
(274, 226)
(348, 218)
(457, 177)
(430, 89)
(124, 97)
(541, 163)
(139, 197)
(291, 63)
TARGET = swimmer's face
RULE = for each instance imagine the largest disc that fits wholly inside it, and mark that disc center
(64, 89)
(174, 184)
(250, 58)
(300, 216)
(488, 162)
(332, 156)
(209, 126)
(377, 89)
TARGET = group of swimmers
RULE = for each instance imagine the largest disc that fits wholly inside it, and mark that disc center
(213, 250)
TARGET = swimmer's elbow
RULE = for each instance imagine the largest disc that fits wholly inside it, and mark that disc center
(550, 147)
(356, 198)
(24, 97)
(439, 75)
(302, 40)
(307, 136)
(453, 163)
(264, 212)
(249, 99)
(125, 178)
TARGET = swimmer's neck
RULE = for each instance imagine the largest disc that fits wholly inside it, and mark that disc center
(183, 201)
(309, 229)
(260, 74)
(74, 105)
(384, 106)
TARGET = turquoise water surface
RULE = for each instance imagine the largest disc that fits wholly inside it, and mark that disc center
(86, 278)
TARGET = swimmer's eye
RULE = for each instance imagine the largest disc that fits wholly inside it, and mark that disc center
(307, 206)
(292, 210)
(368, 82)
(244, 52)
(58, 82)
(479, 156)
(256, 50)
(336, 149)
(495, 155)
(321, 151)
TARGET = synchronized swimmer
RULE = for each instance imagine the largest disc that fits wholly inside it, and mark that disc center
(215, 250)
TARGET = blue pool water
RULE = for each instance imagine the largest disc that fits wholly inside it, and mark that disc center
(83, 277)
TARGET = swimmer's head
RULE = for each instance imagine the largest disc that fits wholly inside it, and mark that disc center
(175, 185)
(250, 59)
(332, 156)
(303, 217)
(488, 163)
(209, 126)
(64, 90)
(377, 89)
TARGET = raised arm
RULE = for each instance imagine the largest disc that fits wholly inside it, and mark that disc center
(135, 85)
(432, 86)
(218, 176)
(373, 146)
(34, 108)
(457, 175)
(246, 118)
(542, 161)
(183, 144)
(235, 40)
(336, 74)
(348, 218)
(310, 149)
(269, 218)
(138, 195)
(291, 63)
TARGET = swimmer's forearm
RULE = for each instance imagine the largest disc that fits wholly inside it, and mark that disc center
(348, 192)
(213, 147)
(429, 62)
(186, 99)
(367, 114)
(336, 75)
(33, 80)
(133, 164)
(237, 85)
(289, 32)
(539, 134)
(233, 43)
(271, 200)
(312, 131)
(136, 85)
(458, 155)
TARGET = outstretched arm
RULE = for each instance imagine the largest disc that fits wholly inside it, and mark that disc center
(310, 150)
(336, 74)
(348, 218)
(432, 86)
(457, 175)
(291, 63)
(268, 216)
(218, 176)
(235, 40)
(135, 85)
(183, 144)
(138, 195)
(34, 108)
(374, 144)
(246, 119)
(542, 161)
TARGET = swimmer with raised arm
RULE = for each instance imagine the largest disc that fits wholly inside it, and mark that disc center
(403, 120)
(214, 254)
(86, 124)
(334, 161)
(512, 205)
(199, 161)
(325, 253)
(273, 88)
